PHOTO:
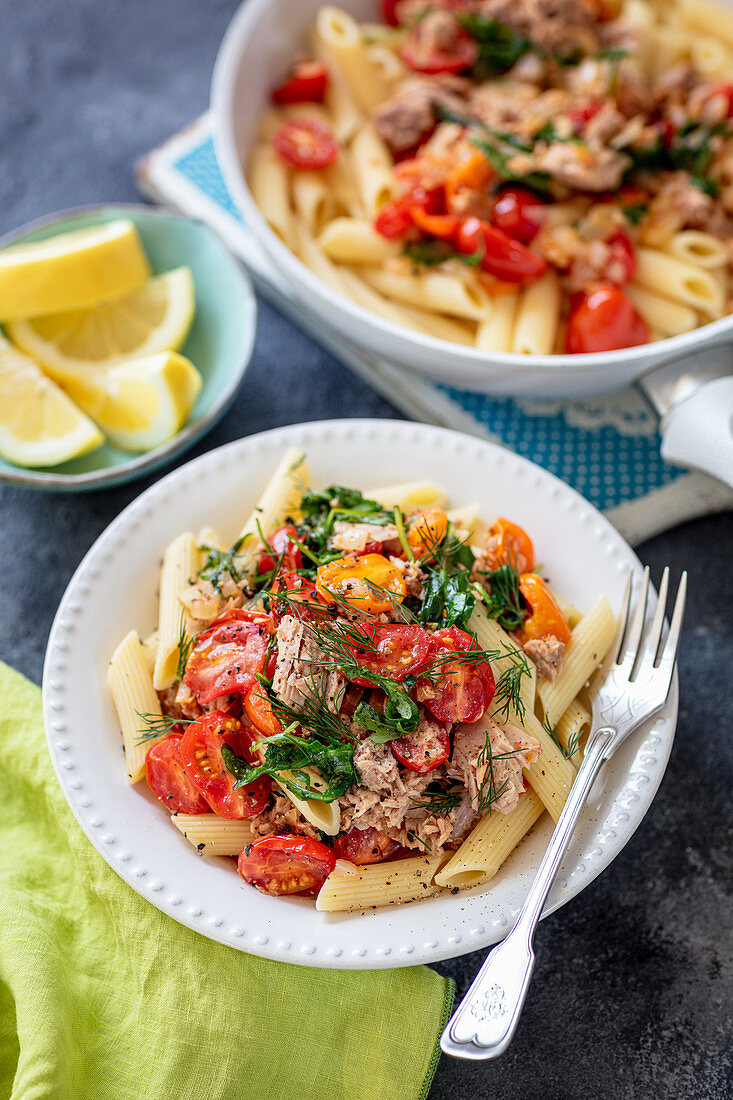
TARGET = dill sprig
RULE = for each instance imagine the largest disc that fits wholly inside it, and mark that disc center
(185, 644)
(573, 741)
(218, 562)
(157, 725)
(313, 714)
(440, 803)
(488, 792)
(508, 691)
(413, 836)
(504, 601)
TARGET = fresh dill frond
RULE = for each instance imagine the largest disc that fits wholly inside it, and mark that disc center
(157, 725)
(185, 644)
(508, 691)
(488, 792)
(218, 562)
(504, 600)
(440, 803)
(573, 741)
(313, 713)
(413, 836)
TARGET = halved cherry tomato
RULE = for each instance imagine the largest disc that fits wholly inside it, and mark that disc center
(427, 530)
(422, 58)
(390, 650)
(200, 751)
(307, 83)
(518, 212)
(228, 656)
(545, 616)
(393, 221)
(361, 846)
(286, 864)
(351, 579)
(507, 259)
(305, 143)
(623, 255)
(604, 320)
(513, 546)
(284, 544)
(459, 691)
(725, 90)
(304, 601)
(258, 709)
(425, 749)
(167, 778)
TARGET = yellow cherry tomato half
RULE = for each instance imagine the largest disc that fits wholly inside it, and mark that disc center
(545, 616)
(357, 579)
(427, 530)
(512, 546)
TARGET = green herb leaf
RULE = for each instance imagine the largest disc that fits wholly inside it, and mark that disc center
(157, 725)
(636, 212)
(504, 601)
(185, 645)
(439, 802)
(218, 562)
(500, 47)
(286, 753)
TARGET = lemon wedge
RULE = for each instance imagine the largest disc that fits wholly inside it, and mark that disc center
(73, 270)
(39, 424)
(139, 403)
(155, 317)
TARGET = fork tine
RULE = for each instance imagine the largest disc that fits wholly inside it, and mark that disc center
(651, 644)
(669, 653)
(633, 635)
(623, 619)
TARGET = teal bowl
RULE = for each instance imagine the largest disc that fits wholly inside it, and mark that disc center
(219, 344)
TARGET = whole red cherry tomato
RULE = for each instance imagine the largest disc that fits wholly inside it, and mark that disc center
(286, 864)
(518, 212)
(604, 320)
(305, 143)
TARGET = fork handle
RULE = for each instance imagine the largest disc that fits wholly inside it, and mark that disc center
(485, 1021)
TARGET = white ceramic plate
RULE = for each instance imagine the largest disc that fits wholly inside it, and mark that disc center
(114, 589)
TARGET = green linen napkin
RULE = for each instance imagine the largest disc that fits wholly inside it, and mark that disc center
(102, 997)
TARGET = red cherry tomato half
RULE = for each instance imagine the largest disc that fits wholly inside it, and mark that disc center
(167, 778)
(604, 320)
(259, 710)
(286, 864)
(436, 225)
(227, 657)
(200, 751)
(460, 691)
(365, 846)
(424, 750)
(305, 143)
(623, 257)
(518, 213)
(394, 651)
(307, 83)
(580, 116)
(506, 259)
(460, 55)
(284, 544)
(726, 90)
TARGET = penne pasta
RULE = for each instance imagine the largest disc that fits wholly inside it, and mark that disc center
(409, 495)
(436, 291)
(680, 280)
(589, 643)
(339, 37)
(326, 816)
(313, 200)
(368, 887)
(572, 729)
(180, 566)
(372, 168)
(280, 499)
(537, 317)
(489, 845)
(131, 687)
(212, 835)
(355, 241)
(270, 186)
(664, 316)
(699, 248)
(495, 332)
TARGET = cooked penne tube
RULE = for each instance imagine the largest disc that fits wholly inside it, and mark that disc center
(662, 314)
(437, 291)
(489, 845)
(699, 248)
(495, 332)
(131, 687)
(212, 835)
(270, 187)
(367, 887)
(280, 499)
(409, 496)
(326, 816)
(537, 317)
(355, 241)
(372, 168)
(677, 279)
(572, 728)
(339, 37)
(711, 18)
(180, 566)
(587, 648)
(313, 200)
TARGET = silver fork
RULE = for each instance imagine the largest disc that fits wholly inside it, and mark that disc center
(634, 684)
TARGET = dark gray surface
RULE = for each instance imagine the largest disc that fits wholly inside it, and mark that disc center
(633, 983)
